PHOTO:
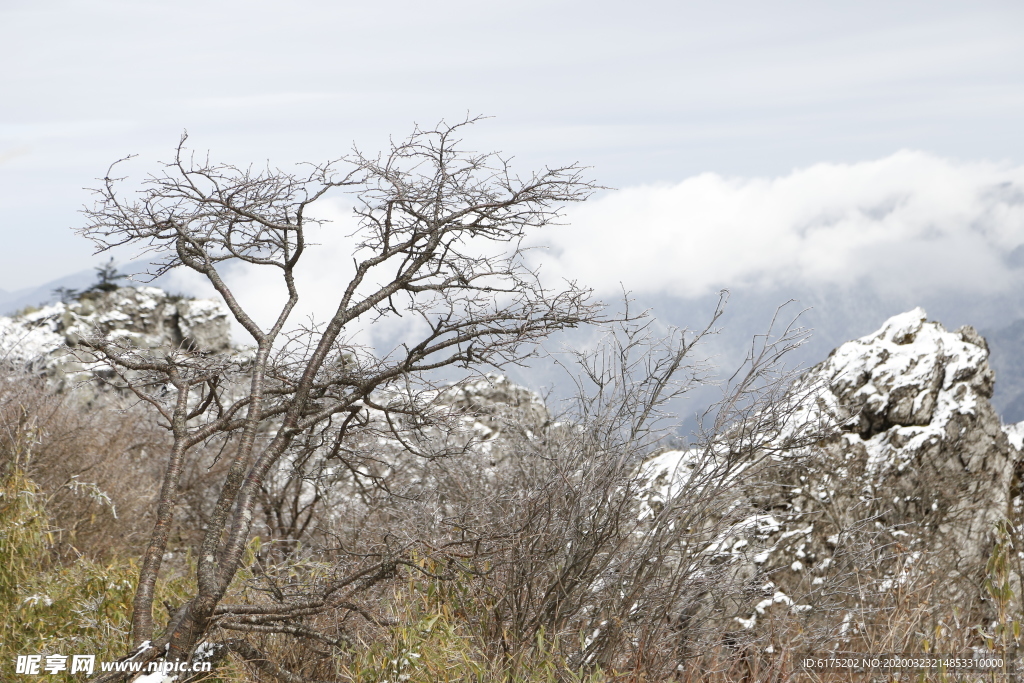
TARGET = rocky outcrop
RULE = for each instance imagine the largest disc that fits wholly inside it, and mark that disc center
(44, 340)
(1008, 362)
(918, 436)
(146, 316)
(493, 400)
(917, 472)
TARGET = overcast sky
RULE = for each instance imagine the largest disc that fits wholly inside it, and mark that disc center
(751, 142)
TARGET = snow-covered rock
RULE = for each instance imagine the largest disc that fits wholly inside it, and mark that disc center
(491, 398)
(146, 316)
(918, 467)
(919, 436)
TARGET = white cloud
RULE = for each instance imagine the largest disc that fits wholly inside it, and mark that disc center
(911, 221)
(910, 224)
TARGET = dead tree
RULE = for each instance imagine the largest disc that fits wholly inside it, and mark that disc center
(439, 239)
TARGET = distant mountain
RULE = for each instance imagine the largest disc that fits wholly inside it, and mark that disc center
(10, 302)
(1007, 348)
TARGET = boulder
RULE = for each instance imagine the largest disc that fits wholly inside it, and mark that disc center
(912, 476)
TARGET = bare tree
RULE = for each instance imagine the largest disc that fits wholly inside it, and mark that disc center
(429, 216)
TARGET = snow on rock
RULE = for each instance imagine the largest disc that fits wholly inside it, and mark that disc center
(909, 373)
(28, 338)
(916, 458)
(919, 429)
(145, 316)
(203, 323)
(156, 677)
(918, 463)
(1015, 433)
(489, 398)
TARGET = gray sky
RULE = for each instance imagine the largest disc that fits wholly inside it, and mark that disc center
(651, 94)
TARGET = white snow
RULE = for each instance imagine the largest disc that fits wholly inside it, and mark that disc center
(23, 340)
(145, 316)
(910, 368)
(205, 650)
(1015, 433)
(37, 598)
(156, 677)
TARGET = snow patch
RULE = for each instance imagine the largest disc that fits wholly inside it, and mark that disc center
(1015, 433)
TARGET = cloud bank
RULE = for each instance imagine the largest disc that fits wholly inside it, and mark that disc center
(910, 221)
(908, 227)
